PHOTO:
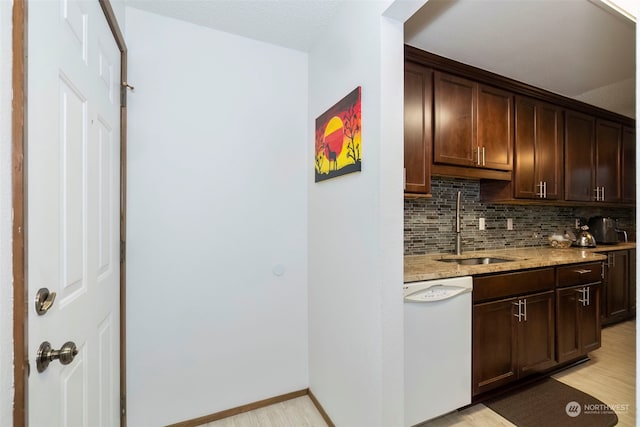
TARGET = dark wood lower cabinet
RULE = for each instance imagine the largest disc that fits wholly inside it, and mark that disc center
(536, 340)
(577, 321)
(494, 345)
(512, 338)
(532, 322)
(618, 285)
(632, 282)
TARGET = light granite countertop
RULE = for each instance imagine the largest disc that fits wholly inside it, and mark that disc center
(427, 267)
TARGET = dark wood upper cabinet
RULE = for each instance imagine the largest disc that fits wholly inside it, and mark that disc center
(579, 144)
(495, 128)
(593, 159)
(628, 165)
(525, 144)
(473, 124)
(455, 120)
(608, 161)
(538, 172)
(418, 139)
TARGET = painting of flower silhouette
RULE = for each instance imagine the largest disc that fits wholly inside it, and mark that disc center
(338, 144)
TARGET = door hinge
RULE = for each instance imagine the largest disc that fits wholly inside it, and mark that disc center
(123, 95)
(123, 251)
(123, 406)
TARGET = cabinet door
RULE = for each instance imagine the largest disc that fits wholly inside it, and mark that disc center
(536, 334)
(632, 282)
(494, 345)
(455, 119)
(525, 177)
(608, 160)
(538, 149)
(418, 101)
(579, 157)
(617, 285)
(590, 326)
(568, 323)
(578, 321)
(549, 149)
(495, 128)
(628, 165)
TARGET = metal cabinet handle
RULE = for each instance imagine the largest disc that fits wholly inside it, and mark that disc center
(519, 315)
(525, 309)
(582, 271)
(44, 300)
(583, 293)
(484, 159)
(541, 194)
(404, 178)
(545, 189)
(46, 354)
(599, 194)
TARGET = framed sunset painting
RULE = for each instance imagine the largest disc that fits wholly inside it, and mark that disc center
(339, 138)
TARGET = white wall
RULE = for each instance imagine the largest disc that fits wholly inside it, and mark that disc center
(6, 274)
(218, 153)
(355, 227)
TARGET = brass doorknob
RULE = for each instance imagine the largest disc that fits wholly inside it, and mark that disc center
(46, 354)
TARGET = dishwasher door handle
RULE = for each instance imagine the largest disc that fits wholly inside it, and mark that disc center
(436, 293)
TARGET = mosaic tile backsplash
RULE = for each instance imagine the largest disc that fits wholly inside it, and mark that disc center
(429, 223)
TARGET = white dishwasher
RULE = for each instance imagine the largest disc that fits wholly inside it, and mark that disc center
(437, 347)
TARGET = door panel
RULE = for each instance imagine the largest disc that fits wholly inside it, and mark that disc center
(74, 211)
(494, 344)
(495, 127)
(608, 159)
(590, 321)
(628, 165)
(525, 177)
(579, 156)
(418, 101)
(617, 284)
(549, 149)
(455, 117)
(567, 324)
(536, 340)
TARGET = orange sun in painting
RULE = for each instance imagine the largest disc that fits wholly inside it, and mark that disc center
(333, 139)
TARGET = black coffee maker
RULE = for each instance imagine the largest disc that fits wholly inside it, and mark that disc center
(605, 230)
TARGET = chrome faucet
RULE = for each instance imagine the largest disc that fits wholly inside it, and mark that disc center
(458, 237)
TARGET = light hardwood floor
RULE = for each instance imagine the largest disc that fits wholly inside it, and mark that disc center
(610, 376)
(298, 412)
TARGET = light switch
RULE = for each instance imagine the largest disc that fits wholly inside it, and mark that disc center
(509, 223)
(481, 224)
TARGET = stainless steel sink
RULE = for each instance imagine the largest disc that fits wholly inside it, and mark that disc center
(475, 261)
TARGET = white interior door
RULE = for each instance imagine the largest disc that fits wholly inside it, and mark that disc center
(73, 162)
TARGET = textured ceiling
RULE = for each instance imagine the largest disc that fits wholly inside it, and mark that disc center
(577, 48)
(295, 24)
